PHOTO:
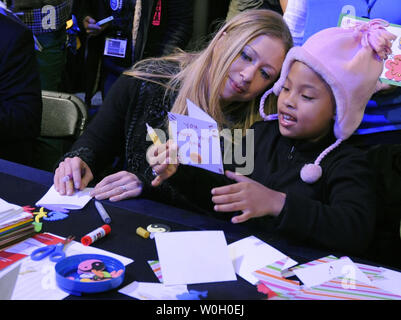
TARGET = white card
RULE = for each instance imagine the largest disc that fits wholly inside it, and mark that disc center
(77, 201)
(321, 273)
(250, 254)
(194, 257)
(197, 137)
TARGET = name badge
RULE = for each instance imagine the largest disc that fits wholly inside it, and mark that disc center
(116, 5)
(115, 47)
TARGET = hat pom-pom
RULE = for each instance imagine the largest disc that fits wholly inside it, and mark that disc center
(311, 172)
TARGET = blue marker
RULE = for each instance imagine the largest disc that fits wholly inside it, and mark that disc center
(103, 214)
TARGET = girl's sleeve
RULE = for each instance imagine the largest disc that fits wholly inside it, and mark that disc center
(346, 222)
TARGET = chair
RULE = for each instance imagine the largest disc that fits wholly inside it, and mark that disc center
(64, 118)
(63, 115)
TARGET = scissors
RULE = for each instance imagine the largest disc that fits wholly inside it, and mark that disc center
(54, 250)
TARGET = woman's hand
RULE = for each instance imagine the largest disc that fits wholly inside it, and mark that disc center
(250, 197)
(118, 186)
(163, 161)
(72, 174)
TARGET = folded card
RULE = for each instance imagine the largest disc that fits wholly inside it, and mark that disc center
(197, 138)
(74, 202)
(250, 254)
(320, 273)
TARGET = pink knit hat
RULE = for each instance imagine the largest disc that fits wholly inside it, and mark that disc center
(350, 61)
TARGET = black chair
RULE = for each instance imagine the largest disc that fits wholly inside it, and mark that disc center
(64, 118)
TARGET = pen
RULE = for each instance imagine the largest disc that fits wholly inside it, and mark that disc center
(103, 214)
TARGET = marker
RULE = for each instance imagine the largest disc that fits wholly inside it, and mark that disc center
(153, 135)
(103, 213)
(155, 139)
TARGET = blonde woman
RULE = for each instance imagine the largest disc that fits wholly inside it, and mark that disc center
(226, 79)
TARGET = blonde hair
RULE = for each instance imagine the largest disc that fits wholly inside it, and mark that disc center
(202, 75)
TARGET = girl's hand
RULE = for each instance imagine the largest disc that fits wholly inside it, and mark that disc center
(250, 197)
(72, 174)
(163, 161)
(118, 186)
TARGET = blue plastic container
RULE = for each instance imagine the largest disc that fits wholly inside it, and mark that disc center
(78, 281)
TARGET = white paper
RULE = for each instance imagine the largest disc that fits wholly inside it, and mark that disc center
(250, 254)
(391, 283)
(321, 273)
(194, 257)
(4, 205)
(75, 248)
(153, 291)
(8, 279)
(10, 217)
(195, 112)
(37, 279)
(77, 201)
(14, 217)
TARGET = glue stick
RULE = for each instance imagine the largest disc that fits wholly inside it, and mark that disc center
(95, 235)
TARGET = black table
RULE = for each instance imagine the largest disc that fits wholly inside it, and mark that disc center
(25, 186)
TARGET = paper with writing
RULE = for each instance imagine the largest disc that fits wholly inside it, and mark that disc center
(197, 137)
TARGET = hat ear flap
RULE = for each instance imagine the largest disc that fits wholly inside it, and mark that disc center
(311, 172)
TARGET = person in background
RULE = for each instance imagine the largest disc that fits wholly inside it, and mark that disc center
(20, 91)
(47, 21)
(381, 123)
(139, 29)
(308, 184)
(237, 6)
(225, 79)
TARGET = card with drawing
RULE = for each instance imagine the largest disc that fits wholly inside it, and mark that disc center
(392, 65)
(197, 137)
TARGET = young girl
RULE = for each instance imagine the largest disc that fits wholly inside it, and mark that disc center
(307, 183)
(226, 79)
